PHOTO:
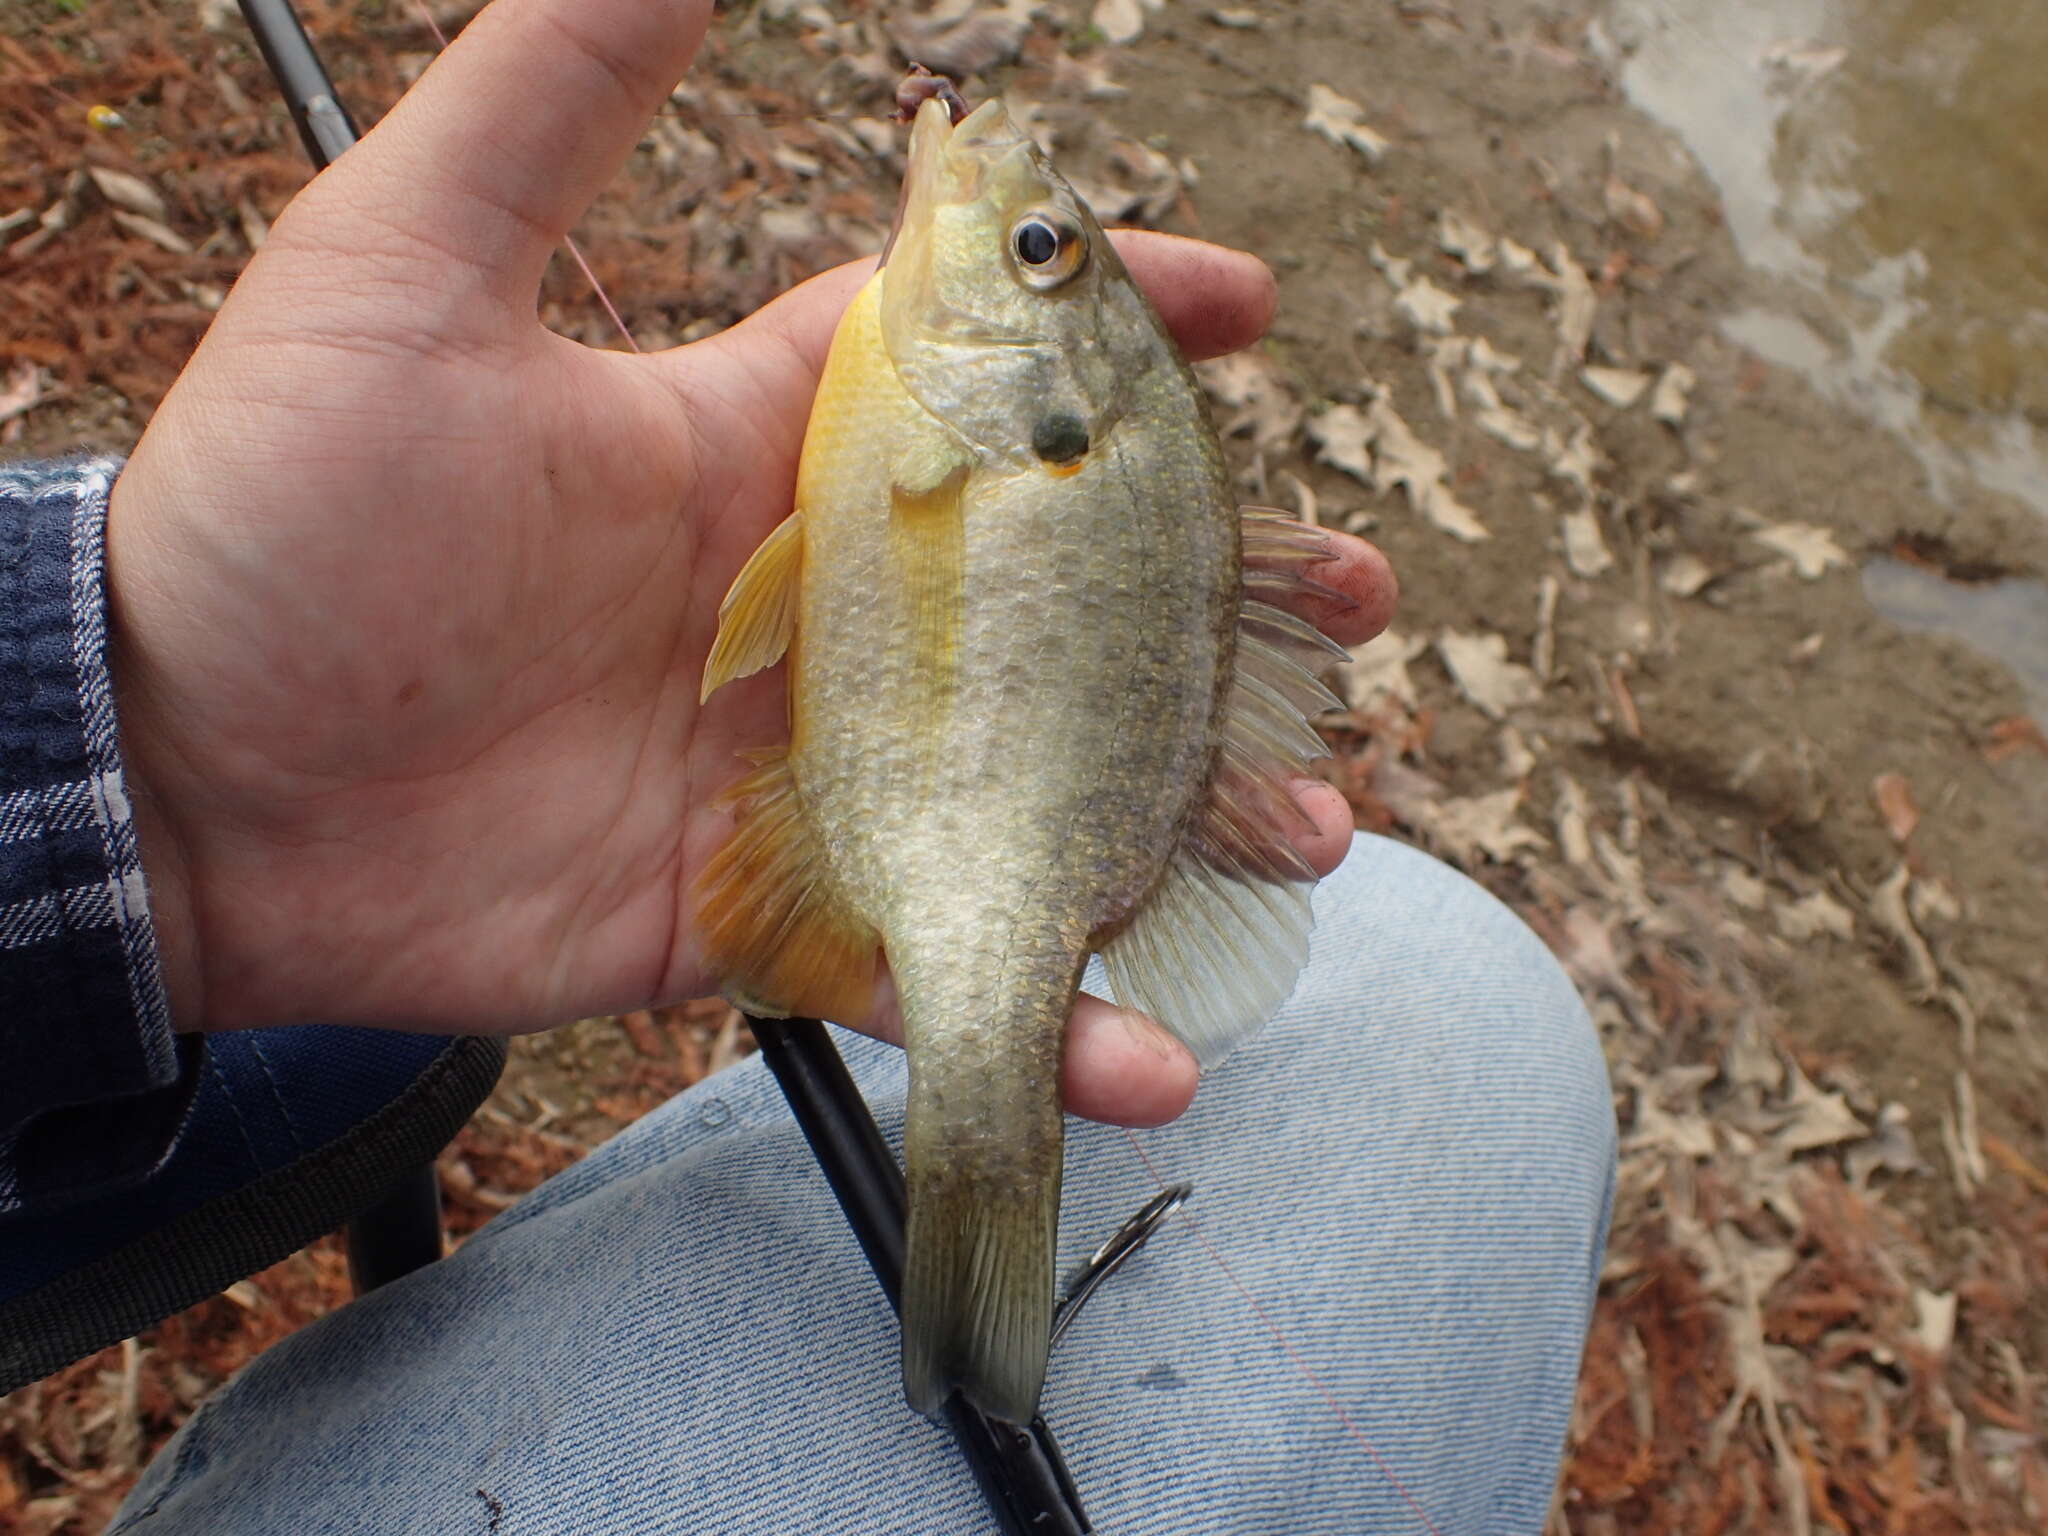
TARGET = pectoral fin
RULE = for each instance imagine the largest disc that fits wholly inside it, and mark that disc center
(758, 616)
(1217, 946)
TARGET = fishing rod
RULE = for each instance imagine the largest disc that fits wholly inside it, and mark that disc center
(1019, 1468)
(324, 123)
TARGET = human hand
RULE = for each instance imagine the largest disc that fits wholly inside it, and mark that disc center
(410, 597)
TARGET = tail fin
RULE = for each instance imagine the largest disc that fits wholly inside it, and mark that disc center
(977, 1289)
(982, 1151)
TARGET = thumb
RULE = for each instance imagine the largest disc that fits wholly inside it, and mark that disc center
(484, 165)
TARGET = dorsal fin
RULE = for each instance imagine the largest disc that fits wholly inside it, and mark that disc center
(1217, 946)
(759, 612)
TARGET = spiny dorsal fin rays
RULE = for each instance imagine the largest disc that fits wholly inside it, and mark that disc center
(1249, 838)
(1217, 946)
(1272, 724)
(1278, 586)
(1270, 538)
(1305, 645)
(758, 615)
(1253, 812)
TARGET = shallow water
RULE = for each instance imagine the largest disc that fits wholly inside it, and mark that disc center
(1882, 161)
(2007, 620)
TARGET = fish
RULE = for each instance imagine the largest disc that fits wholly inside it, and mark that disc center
(1046, 701)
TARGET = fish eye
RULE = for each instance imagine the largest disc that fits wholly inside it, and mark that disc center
(1037, 242)
(1048, 247)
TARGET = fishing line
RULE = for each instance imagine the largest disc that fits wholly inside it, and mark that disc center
(441, 41)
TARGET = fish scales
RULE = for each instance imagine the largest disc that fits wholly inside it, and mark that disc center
(1010, 592)
(1096, 613)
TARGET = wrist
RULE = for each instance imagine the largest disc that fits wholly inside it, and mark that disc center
(147, 773)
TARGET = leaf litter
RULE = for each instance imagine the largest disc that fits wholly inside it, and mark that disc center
(1772, 1348)
(1342, 121)
(1809, 550)
(1376, 446)
(1775, 1346)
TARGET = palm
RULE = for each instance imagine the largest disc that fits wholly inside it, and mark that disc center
(487, 689)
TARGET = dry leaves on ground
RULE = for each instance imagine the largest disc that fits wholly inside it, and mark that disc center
(1774, 1347)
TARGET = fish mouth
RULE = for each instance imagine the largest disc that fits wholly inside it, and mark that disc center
(936, 173)
(952, 168)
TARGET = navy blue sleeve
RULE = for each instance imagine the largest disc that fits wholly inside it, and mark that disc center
(87, 1058)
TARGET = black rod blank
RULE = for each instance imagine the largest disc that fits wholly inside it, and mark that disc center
(397, 1235)
(849, 1146)
(323, 121)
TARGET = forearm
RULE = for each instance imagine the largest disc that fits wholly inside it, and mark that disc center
(84, 1026)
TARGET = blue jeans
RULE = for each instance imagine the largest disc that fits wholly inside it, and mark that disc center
(1410, 1169)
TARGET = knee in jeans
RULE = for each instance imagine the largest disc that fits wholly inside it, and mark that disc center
(1443, 951)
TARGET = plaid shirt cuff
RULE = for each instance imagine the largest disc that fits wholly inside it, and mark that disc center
(83, 1021)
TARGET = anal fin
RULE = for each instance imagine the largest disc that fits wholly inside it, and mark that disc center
(758, 616)
(777, 933)
(1217, 946)
(1211, 957)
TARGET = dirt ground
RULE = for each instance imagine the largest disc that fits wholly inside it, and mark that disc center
(1792, 853)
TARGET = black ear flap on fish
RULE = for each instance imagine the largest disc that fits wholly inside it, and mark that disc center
(1216, 949)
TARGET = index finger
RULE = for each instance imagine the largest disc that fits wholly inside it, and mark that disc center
(1215, 300)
